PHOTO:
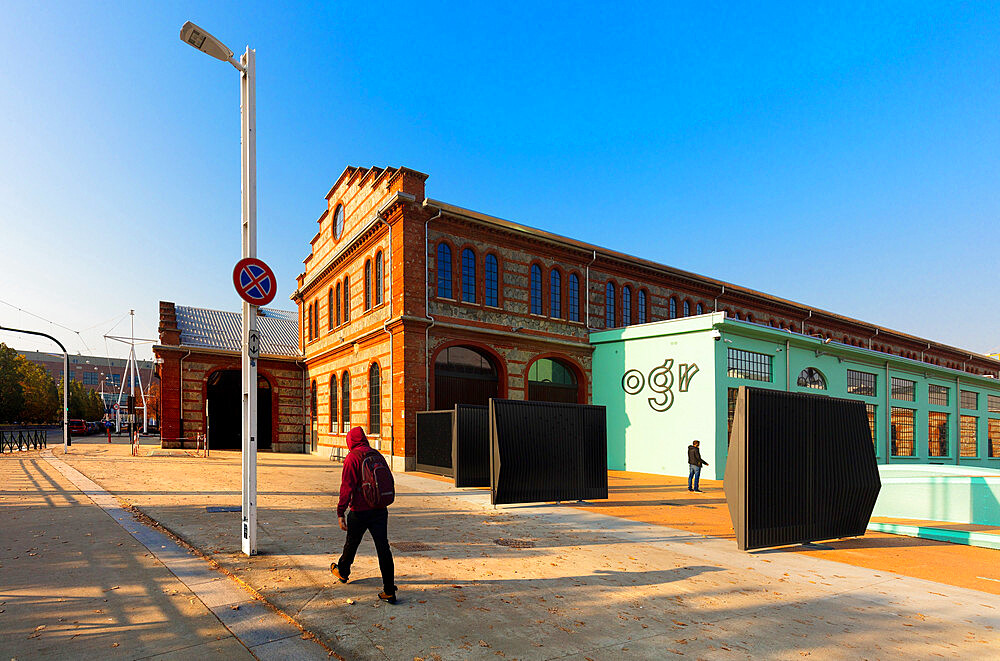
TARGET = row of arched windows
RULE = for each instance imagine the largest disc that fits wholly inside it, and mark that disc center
(632, 311)
(468, 282)
(340, 412)
(338, 298)
(556, 294)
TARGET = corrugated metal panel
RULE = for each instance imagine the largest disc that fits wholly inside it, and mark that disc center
(219, 329)
(434, 441)
(471, 446)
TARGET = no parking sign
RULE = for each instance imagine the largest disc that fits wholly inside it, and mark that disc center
(254, 281)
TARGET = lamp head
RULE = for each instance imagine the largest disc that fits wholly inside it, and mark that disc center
(206, 43)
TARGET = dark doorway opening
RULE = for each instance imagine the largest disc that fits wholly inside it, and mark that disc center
(464, 375)
(551, 380)
(224, 406)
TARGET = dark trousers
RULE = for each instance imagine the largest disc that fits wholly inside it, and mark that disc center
(375, 522)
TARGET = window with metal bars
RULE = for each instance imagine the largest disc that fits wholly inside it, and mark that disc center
(609, 305)
(937, 395)
(444, 270)
(993, 438)
(969, 400)
(626, 305)
(901, 434)
(968, 441)
(861, 383)
(492, 281)
(937, 434)
(536, 289)
(872, 408)
(993, 403)
(333, 404)
(374, 400)
(732, 394)
(574, 297)
(379, 284)
(811, 377)
(904, 390)
(345, 402)
(468, 276)
(750, 365)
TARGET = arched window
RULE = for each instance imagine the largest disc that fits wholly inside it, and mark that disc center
(736, 315)
(626, 305)
(536, 289)
(492, 281)
(444, 270)
(464, 375)
(338, 221)
(811, 377)
(347, 299)
(574, 297)
(310, 321)
(368, 284)
(333, 404)
(555, 294)
(468, 276)
(643, 309)
(673, 308)
(609, 305)
(329, 308)
(337, 297)
(687, 308)
(374, 400)
(551, 380)
(345, 401)
(316, 315)
(379, 284)
(749, 317)
(699, 309)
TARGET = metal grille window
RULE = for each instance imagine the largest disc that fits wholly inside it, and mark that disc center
(345, 402)
(937, 434)
(574, 298)
(902, 432)
(749, 365)
(337, 296)
(536, 289)
(378, 278)
(993, 403)
(374, 400)
(937, 395)
(368, 284)
(993, 436)
(861, 383)
(492, 273)
(468, 276)
(347, 299)
(555, 294)
(872, 409)
(811, 377)
(643, 314)
(333, 403)
(609, 306)
(444, 270)
(673, 308)
(904, 390)
(731, 396)
(626, 305)
(967, 439)
(969, 400)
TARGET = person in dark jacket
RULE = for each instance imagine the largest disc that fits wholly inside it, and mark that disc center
(695, 462)
(362, 518)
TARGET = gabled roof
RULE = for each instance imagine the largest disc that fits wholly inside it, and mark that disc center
(219, 329)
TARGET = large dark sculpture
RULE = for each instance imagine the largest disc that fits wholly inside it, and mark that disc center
(546, 451)
(471, 446)
(434, 442)
(800, 468)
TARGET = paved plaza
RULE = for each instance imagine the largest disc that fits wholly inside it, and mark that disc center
(597, 581)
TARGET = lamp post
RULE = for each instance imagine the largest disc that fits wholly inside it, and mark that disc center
(65, 406)
(206, 43)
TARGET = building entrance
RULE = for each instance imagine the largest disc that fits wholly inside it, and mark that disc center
(464, 375)
(552, 381)
(225, 411)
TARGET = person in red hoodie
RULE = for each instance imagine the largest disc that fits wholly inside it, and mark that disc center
(361, 518)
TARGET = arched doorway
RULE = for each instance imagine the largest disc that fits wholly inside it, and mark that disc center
(552, 380)
(224, 405)
(464, 375)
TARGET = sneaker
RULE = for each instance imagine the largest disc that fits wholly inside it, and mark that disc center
(389, 597)
(336, 572)
(698, 491)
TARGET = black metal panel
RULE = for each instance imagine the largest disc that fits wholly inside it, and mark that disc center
(547, 451)
(471, 446)
(434, 441)
(800, 468)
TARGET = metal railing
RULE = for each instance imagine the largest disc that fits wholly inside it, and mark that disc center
(20, 440)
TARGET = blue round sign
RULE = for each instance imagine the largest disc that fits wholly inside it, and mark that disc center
(254, 281)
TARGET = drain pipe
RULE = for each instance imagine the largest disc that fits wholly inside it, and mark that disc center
(872, 338)
(588, 289)
(805, 320)
(427, 312)
(715, 305)
(924, 351)
(387, 265)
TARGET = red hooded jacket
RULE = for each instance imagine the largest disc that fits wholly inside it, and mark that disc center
(350, 481)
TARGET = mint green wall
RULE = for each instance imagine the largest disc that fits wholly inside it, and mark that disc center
(641, 437)
(940, 493)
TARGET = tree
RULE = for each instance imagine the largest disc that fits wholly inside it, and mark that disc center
(11, 392)
(41, 397)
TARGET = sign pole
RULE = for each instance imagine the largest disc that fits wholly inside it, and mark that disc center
(248, 143)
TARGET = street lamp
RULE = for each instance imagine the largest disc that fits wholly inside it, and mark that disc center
(196, 37)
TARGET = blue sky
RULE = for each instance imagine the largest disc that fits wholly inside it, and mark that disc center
(845, 157)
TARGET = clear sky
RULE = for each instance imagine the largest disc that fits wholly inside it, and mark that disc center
(843, 157)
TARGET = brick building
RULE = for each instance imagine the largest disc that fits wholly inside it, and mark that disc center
(199, 368)
(408, 304)
(102, 374)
